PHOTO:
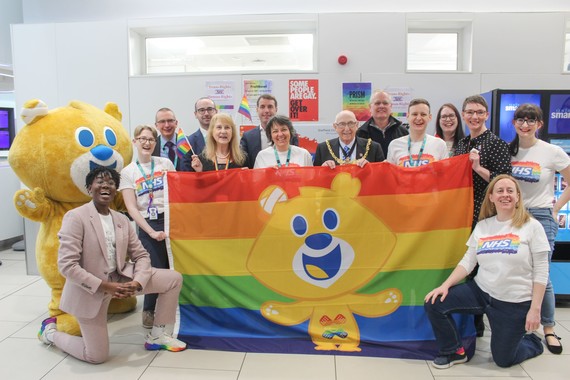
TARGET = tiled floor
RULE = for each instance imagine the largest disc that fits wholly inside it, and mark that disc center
(23, 302)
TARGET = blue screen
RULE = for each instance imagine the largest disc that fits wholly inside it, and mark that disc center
(509, 104)
(564, 213)
(559, 115)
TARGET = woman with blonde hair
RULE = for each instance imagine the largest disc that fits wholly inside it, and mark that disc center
(222, 149)
(511, 249)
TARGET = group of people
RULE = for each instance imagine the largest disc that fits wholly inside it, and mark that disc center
(511, 286)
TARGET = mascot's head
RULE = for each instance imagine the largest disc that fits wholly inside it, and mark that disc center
(56, 149)
(320, 244)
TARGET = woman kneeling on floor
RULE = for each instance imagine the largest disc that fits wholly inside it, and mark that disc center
(511, 249)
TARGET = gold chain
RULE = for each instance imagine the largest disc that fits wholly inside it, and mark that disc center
(348, 161)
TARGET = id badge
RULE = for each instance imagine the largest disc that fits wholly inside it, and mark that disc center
(152, 213)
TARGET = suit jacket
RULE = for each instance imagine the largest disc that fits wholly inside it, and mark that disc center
(250, 143)
(156, 153)
(322, 154)
(197, 141)
(82, 259)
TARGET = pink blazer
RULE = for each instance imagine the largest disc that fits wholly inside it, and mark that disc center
(82, 258)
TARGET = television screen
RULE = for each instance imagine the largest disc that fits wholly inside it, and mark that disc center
(564, 214)
(559, 115)
(509, 103)
(6, 127)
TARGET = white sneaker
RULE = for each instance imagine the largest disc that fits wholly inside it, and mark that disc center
(163, 342)
(48, 327)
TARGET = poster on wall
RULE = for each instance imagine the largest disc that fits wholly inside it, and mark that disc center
(401, 97)
(222, 93)
(252, 89)
(559, 116)
(304, 99)
(356, 98)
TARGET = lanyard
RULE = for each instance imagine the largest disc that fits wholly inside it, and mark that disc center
(149, 180)
(419, 154)
(227, 164)
(277, 157)
(346, 155)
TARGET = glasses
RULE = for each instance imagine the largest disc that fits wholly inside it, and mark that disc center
(521, 121)
(344, 124)
(144, 140)
(447, 117)
(204, 110)
(479, 113)
(165, 121)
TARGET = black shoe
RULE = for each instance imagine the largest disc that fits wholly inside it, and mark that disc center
(446, 361)
(556, 350)
(479, 326)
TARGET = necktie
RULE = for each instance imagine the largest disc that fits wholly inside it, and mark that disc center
(346, 150)
(171, 153)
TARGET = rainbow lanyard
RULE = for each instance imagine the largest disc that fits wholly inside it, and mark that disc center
(148, 180)
(277, 157)
(412, 162)
(227, 164)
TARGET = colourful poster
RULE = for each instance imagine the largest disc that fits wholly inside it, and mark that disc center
(356, 98)
(314, 260)
(252, 89)
(401, 97)
(222, 93)
(304, 99)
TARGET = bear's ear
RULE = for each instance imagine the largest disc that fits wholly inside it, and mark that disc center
(33, 111)
(345, 185)
(113, 110)
(270, 196)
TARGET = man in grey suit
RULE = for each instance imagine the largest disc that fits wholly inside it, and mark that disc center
(347, 148)
(255, 139)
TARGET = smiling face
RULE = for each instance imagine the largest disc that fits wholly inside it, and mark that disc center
(145, 143)
(222, 133)
(166, 123)
(280, 135)
(266, 109)
(205, 110)
(448, 122)
(380, 107)
(524, 129)
(346, 126)
(419, 117)
(505, 197)
(103, 191)
(475, 115)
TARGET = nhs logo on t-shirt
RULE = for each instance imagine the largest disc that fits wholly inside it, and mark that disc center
(504, 244)
(526, 171)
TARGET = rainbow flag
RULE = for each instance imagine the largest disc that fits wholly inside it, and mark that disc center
(314, 260)
(182, 143)
(244, 108)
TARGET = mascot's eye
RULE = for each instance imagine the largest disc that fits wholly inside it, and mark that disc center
(299, 225)
(110, 136)
(84, 137)
(330, 219)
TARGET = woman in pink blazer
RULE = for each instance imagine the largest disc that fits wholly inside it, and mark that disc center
(101, 258)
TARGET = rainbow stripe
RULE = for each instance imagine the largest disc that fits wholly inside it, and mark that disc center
(244, 108)
(182, 143)
(254, 276)
(527, 171)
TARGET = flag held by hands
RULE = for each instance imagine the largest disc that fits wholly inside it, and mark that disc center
(182, 144)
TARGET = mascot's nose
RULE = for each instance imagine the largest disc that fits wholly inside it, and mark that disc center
(102, 152)
(318, 241)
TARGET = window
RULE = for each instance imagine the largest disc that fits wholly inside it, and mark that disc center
(242, 44)
(438, 45)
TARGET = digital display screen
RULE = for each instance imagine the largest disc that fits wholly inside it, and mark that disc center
(564, 214)
(559, 115)
(509, 104)
(6, 126)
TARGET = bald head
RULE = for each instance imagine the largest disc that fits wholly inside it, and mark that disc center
(346, 125)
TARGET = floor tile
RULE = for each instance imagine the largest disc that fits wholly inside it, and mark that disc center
(286, 367)
(18, 354)
(547, 367)
(35, 288)
(22, 308)
(358, 367)
(154, 373)
(201, 359)
(10, 328)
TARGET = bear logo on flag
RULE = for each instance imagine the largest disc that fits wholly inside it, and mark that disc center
(332, 247)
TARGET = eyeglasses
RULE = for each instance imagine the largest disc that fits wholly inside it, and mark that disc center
(521, 121)
(169, 121)
(144, 140)
(204, 110)
(479, 113)
(344, 124)
(448, 117)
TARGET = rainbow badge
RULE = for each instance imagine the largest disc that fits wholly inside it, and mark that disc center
(182, 143)
(244, 108)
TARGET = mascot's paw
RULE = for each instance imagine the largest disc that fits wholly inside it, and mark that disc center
(27, 201)
(118, 306)
(68, 324)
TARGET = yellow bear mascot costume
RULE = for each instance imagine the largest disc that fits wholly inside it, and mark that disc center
(52, 155)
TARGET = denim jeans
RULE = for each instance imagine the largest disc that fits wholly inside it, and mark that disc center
(510, 344)
(544, 216)
(158, 255)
